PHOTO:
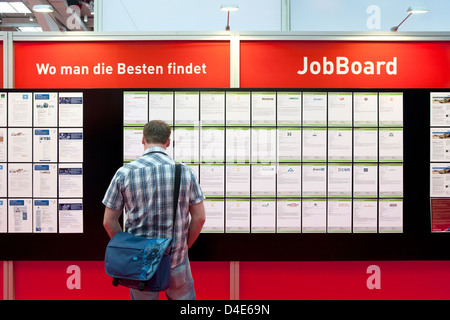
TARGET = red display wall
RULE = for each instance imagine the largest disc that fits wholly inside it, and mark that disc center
(137, 64)
(263, 64)
(344, 64)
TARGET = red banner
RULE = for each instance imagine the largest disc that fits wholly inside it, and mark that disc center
(344, 64)
(122, 64)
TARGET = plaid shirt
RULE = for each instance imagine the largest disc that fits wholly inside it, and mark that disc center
(144, 188)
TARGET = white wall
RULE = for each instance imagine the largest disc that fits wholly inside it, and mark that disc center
(190, 15)
(265, 15)
(368, 15)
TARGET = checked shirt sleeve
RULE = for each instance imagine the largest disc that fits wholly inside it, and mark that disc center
(196, 195)
(113, 197)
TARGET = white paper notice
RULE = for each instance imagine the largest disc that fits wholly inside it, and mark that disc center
(391, 109)
(314, 144)
(161, 106)
(237, 215)
(70, 180)
(365, 216)
(212, 179)
(263, 215)
(71, 145)
(132, 143)
(314, 108)
(340, 109)
(45, 180)
(314, 215)
(314, 180)
(365, 144)
(365, 180)
(45, 216)
(212, 142)
(264, 145)
(46, 109)
(20, 177)
(390, 216)
(440, 180)
(70, 109)
(391, 180)
(20, 144)
(365, 112)
(391, 144)
(238, 180)
(45, 148)
(20, 109)
(3, 180)
(238, 145)
(135, 108)
(238, 108)
(289, 108)
(3, 216)
(339, 216)
(187, 108)
(340, 144)
(289, 180)
(289, 144)
(263, 180)
(3, 107)
(440, 144)
(215, 216)
(340, 180)
(440, 109)
(264, 108)
(70, 216)
(186, 144)
(20, 213)
(3, 144)
(212, 108)
(289, 213)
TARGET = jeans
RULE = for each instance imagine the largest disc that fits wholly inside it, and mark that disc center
(181, 286)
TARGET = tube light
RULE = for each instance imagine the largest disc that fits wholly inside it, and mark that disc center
(417, 10)
(43, 8)
(411, 11)
(229, 7)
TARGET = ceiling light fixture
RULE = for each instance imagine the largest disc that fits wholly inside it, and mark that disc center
(411, 10)
(228, 8)
(43, 8)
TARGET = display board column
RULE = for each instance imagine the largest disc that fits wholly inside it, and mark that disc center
(235, 46)
(8, 59)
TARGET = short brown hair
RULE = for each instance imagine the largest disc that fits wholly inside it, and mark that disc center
(157, 131)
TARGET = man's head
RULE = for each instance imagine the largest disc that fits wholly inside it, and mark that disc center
(156, 132)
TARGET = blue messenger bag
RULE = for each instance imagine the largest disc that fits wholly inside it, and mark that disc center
(141, 263)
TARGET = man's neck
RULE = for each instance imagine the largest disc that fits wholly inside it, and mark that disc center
(150, 145)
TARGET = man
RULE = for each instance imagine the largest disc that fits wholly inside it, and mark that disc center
(144, 189)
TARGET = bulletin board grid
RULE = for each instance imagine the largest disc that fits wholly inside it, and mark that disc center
(103, 153)
(41, 158)
(439, 162)
(255, 218)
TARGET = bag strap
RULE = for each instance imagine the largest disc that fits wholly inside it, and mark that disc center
(176, 191)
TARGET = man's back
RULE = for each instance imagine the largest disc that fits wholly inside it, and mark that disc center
(144, 188)
(143, 191)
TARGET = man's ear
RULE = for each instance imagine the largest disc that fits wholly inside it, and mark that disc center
(168, 143)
